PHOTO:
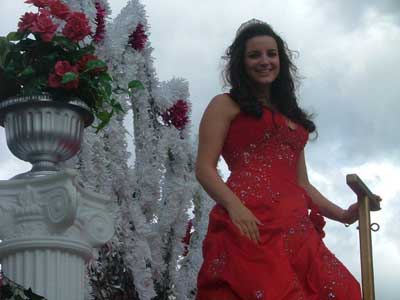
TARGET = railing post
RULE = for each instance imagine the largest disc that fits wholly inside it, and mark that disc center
(367, 202)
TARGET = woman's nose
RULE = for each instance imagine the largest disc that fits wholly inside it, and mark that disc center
(264, 59)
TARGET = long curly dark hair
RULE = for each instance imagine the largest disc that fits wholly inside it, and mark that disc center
(283, 96)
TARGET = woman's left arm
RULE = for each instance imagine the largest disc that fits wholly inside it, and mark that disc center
(326, 207)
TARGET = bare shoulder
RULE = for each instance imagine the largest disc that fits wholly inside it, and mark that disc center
(214, 127)
(223, 106)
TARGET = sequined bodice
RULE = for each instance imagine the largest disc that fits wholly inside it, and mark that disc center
(262, 155)
(263, 144)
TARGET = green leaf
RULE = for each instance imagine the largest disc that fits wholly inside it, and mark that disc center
(104, 117)
(94, 64)
(105, 77)
(117, 107)
(4, 50)
(64, 43)
(136, 84)
(107, 88)
(35, 85)
(6, 291)
(27, 44)
(68, 77)
(32, 295)
(28, 71)
(14, 36)
(118, 90)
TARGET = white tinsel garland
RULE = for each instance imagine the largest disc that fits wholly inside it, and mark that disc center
(178, 182)
(153, 198)
(129, 64)
(190, 265)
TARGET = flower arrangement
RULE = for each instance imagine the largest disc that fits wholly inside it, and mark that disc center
(53, 52)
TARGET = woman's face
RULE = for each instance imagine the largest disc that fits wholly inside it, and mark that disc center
(261, 60)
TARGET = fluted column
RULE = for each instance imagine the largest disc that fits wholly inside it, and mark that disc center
(49, 226)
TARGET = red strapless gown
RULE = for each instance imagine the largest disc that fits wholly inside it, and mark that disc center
(291, 262)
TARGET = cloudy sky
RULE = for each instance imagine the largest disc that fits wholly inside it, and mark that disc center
(349, 59)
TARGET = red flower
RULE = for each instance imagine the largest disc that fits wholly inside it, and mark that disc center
(82, 63)
(77, 27)
(138, 38)
(100, 22)
(63, 66)
(84, 60)
(45, 26)
(60, 69)
(38, 3)
(59, 9)
(187, 237)
(177, 115)
(27, 21)
(54, 81)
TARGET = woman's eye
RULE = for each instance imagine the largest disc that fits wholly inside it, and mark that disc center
(254, 55)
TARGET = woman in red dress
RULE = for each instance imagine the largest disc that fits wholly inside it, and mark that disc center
(264, 239)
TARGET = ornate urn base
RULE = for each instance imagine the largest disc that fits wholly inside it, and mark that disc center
(49, 227)
(42, 131)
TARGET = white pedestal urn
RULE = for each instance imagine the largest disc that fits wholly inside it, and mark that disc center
(49, 224)
(42, 131)
(48, 227)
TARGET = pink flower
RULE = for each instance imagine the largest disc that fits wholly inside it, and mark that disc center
(38, 3)
(59, 9)
(60, 68)
(177, 115)
(77, 27)
(138, 38)
(27, 21)
(100, 22)
(45, 26)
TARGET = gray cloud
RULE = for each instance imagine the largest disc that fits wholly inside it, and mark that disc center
(351, 13)
(9, 164)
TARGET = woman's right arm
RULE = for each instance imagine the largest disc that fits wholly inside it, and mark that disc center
(214, 127)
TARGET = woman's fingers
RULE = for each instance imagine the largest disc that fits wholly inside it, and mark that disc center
(239, 226)
(250, 230)
(255, 232)
(258, 221)
(247, 223)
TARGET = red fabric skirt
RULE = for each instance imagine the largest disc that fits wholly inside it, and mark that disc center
(290, 263)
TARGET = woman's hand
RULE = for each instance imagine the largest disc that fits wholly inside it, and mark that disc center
(350, 215)
(244, 219)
